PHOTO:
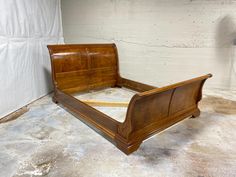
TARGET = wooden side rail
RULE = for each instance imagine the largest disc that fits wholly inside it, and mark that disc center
(99, 121)
(137, 86)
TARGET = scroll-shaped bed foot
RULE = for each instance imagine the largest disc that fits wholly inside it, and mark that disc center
(196, 113)
(127, 148)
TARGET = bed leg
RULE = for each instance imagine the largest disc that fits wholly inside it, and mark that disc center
(116, 86)
(196, 113)
(128, 149)
(54, 100)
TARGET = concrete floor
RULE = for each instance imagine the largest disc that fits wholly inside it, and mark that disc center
(48, 141)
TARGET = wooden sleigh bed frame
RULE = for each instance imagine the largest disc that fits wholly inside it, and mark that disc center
(83, 67)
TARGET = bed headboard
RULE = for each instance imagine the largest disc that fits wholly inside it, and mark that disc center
(78, 67)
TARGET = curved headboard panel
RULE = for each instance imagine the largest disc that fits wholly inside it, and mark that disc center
(73, 64)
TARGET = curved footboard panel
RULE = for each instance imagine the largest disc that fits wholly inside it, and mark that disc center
(153, 111)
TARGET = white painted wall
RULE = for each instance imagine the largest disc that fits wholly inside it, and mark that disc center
(26, 27)
(160, 41)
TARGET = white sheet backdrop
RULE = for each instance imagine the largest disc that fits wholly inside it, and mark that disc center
(26, 27)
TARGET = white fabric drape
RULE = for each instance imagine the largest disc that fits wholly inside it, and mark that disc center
(26, 27)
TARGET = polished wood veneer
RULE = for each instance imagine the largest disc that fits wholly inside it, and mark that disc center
(82, 67)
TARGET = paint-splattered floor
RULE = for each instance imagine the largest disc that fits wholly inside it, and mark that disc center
(48, 141)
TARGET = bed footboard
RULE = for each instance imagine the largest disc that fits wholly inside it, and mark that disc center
(153, 111)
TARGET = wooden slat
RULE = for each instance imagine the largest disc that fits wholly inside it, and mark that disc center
(105, 103)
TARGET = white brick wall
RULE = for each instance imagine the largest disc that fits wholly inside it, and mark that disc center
(160, 41)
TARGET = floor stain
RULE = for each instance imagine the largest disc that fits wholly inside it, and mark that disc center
(43, 133)
(49, 161)
(218, 105)
(195, 147)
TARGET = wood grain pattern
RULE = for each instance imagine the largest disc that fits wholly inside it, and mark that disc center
(83, 67)
(105, 103)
